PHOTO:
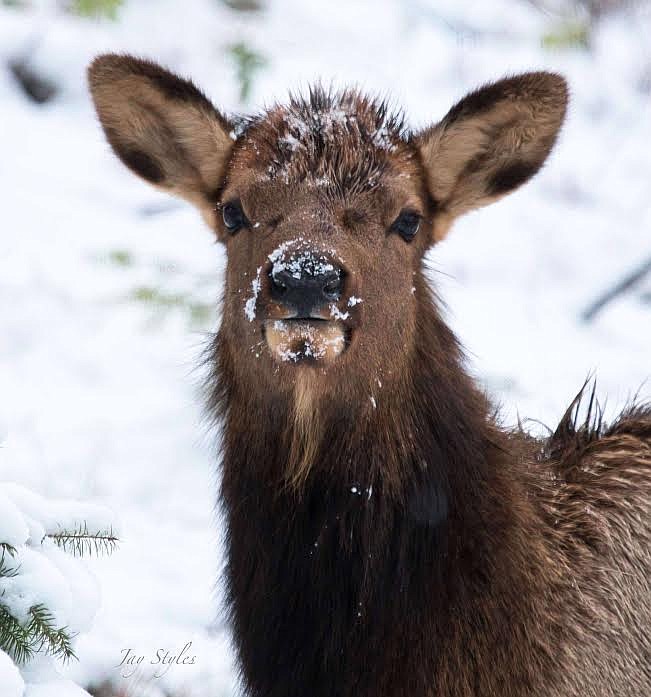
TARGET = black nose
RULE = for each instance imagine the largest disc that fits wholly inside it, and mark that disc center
(305, 292)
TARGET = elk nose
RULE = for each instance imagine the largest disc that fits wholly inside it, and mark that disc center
(304, 292)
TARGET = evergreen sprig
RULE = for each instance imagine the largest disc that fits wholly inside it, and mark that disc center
(39, 632)
(80, 541)
(6, 548)
(14, 638)
(7, 570)
(44, 634)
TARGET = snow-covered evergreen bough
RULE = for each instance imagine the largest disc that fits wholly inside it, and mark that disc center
(386, 536)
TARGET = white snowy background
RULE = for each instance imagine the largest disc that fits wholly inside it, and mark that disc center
(99, 387)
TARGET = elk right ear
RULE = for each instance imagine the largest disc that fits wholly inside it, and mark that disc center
(162, 127)
(491, 142)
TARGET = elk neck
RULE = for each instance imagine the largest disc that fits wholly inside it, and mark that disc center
(402, 520)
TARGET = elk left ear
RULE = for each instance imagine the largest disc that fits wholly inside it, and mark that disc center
(491, 142)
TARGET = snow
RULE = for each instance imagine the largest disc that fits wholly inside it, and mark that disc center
(46, 574)
(250, 304)
(12, 523)
(336, 313)
(292, 341)
(52, 515)
(37, 582)
(100, 398)
(382, 139)
(299, 262)
(290, 141)
(352, 301)
(55, 688)
(10, 679)
(43, 680)
(331, 123)
(43, 574)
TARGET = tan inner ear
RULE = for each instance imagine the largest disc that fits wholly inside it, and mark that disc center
(479, 152)
(448, 149)
(467, 154)
(181, 137)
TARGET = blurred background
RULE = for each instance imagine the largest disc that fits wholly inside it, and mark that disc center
(108, 289)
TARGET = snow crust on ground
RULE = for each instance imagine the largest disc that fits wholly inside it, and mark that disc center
(100, 398)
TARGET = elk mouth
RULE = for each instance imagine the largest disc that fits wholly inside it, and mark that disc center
(305, 339)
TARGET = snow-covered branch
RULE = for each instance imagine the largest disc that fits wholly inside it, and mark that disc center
(47, 595)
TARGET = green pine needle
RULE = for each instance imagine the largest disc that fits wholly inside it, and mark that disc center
(80, 541)
(5, 547)
(45, 635)
(40, 634)
(7, 570)
(14, 638)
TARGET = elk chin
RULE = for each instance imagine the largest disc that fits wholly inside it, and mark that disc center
(305, 340)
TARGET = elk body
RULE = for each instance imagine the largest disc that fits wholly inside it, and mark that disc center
(386, 536)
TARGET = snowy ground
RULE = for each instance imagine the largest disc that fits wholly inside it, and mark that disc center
(100, 395)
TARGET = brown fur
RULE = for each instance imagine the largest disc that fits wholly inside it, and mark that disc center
(386, 535)
(305, 429)
(493, 140)
(162, 127)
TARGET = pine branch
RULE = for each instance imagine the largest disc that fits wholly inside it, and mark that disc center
(14, 638)
(7, 570)
(40, 634)
(5, 547)
(80, 541)
(43, 633)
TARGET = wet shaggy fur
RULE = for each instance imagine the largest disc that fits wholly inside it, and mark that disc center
(465, 561)
(416, 547)
(342, 139)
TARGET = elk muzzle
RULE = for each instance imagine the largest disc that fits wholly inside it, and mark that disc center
(305, 294)
(305, 285)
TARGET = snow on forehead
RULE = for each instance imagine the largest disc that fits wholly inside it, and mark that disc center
(330, 124)
(324, 115)
(338, 139)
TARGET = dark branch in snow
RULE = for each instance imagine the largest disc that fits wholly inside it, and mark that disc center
(625, 284)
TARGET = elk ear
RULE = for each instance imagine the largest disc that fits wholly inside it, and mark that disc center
(491, 142)
(162, 127)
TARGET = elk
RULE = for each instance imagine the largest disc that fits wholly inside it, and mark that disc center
(386, 535)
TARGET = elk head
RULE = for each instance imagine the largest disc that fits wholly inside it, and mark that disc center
(326, 207)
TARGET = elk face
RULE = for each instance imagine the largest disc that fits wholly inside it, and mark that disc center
(326, 206)
(324, 215)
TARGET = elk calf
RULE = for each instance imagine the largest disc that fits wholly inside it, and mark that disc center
(386, 536)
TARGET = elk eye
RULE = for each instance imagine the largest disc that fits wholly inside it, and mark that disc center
(233, 216)
(406, 225)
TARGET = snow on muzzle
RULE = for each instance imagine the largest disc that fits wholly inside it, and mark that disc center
(291, 341)
(307, 285)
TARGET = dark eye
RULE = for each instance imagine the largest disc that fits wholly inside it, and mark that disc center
(233, 216)
(406, 225)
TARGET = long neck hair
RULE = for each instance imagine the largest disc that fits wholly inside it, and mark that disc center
(402, 519)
